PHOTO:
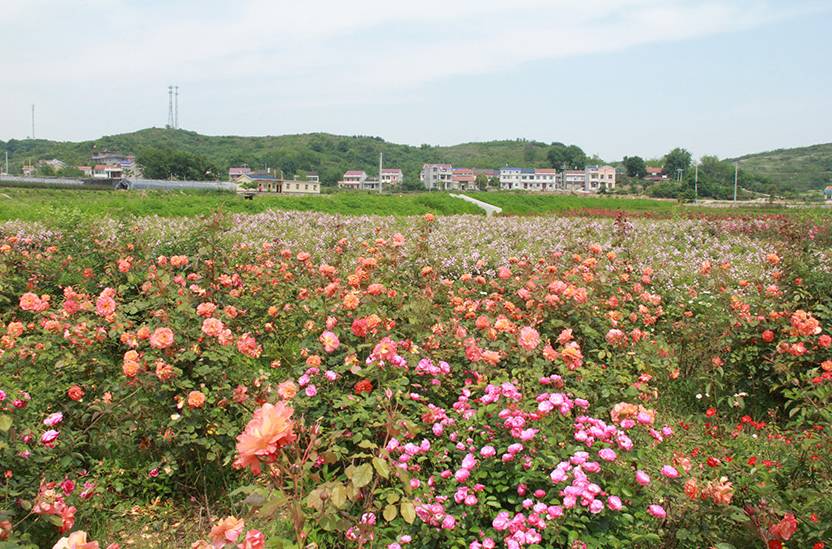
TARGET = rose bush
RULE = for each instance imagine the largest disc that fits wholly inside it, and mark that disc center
(356, 386)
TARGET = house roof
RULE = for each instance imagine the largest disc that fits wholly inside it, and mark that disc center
(391, 170)
(545, 170)
(102, 167)
(654, 170)
(463, 171)
(354, 173)
(446, 166)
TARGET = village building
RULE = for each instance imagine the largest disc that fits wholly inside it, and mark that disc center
(655, 173)
(463, 179)
(528, 179)
(236, 171)
(436, 176)
(353, 179)
(107, 171)
(600, 178)
(391, 177)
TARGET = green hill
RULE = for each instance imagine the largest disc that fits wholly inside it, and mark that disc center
(803, 169)
(329, 155)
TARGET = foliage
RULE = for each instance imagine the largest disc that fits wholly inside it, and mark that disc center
(158, 163)
(565, 157)
(635, 166)
(800, 169)
(677, 160)
(41, 204)
(328, 155)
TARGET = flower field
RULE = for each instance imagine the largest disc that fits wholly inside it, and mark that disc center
(289, 379)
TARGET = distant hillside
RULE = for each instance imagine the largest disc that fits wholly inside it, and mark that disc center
(802, 169)
(329, 155)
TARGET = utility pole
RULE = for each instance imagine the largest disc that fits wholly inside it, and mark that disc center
(736, 173)
(7, 163)
(170, 108)
(696, 182)
(380, 157)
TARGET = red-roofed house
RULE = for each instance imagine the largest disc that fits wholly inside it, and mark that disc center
(391, 177)
(463, 179)
(655, 173)
(353, 179)
(236, 171)
(106, 171)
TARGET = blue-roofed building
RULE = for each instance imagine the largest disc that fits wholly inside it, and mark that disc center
(528, 179)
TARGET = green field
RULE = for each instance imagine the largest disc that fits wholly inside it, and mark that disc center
(46, 204)
(535, 204)
(519, 203)
(30, 204)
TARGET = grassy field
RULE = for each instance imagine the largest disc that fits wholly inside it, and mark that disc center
(518, 203)
(48, 204)
(43, 204)
(535, 204)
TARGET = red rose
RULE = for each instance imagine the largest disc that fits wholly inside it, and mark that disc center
(363, 386)
(710, 412)
(75, 393)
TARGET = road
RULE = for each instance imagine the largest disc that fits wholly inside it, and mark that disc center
(490, 209)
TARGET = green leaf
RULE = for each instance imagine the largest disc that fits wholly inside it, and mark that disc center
(408, 512)
(5, 423)
(381, 467)
(339, 496)
(362, 475)
(390, 512)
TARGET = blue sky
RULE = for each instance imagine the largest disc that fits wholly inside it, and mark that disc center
(617, 77)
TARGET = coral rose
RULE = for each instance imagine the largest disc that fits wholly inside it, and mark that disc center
(528, 338)
(269, 430)
(196, 399)
(227, 530)
(161, 338)
(75, 393)
(287, 390)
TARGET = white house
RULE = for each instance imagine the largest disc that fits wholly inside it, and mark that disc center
(353, 179)
(528, 179)
(600, 177)
(436, 176)
(391, 177)
(106, 171)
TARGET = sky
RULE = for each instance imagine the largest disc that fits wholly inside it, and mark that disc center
(616, 77)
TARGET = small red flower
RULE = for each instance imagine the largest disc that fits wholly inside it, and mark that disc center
(363, 386)
(710, 412)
